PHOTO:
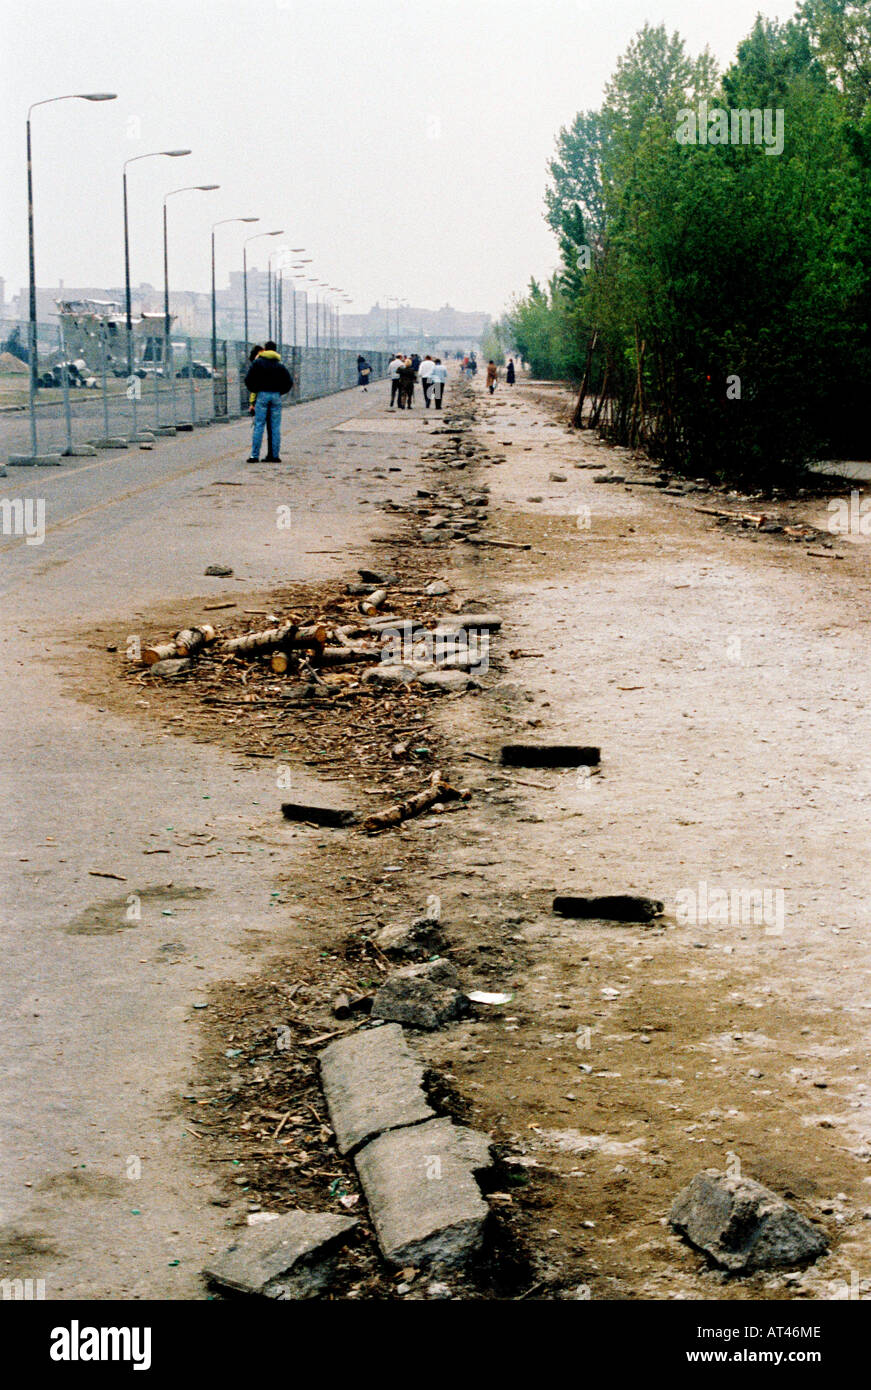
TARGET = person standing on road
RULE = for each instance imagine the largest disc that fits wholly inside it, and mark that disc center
(396, 362)
(492, 376)
(424, 371)
(252, 396)
(407, 378)
(269, 380)
(363, 372)
(509, 375)
(438, 377)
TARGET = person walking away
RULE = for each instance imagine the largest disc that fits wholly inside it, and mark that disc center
(424, 372)
(509, 375)
(396, 362)
(407, 378)
(363, 372)
(415, 360)
(269, 380)
(438, 377)
(492, 374)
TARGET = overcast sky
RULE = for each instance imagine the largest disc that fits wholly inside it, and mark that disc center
(403, 142)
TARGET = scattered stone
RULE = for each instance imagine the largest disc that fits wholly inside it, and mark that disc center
(387, 674)
(437, 588)
(557, 478)
(609, 478)
(448, 681)
(317, 815)
(219, 571)
(425, 1204)
(372, 1082)
(549, 755)
(172, 666)
(422, 996)
(288, 1258)
(618, 907)
(742, 1225)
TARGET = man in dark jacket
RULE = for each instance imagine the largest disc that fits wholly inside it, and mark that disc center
(268, 379)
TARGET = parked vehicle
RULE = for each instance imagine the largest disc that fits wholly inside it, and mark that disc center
(200, 370)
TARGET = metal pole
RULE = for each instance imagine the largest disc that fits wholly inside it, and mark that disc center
(191, 381)
(294, 313)
(65, 374)
(214, 324)
(167, 346)
(105, 384)
(317, 321)
(305, 297)
(269, 296)
(280, 312)
(32, 324)
(245, 290)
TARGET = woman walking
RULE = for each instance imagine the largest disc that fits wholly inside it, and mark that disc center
(492, 374)
(364, 371)
(509, 375)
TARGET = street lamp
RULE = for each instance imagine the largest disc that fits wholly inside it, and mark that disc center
(223, 223)
(269, 260)
(245, 274)
(296, 268)
(71, 96)
(167, 353)
(154, 154)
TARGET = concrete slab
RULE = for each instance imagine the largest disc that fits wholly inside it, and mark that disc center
(291, 1257)
(372, 1082)
(425, 1204)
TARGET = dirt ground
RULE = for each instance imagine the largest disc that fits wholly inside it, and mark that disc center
(720, 668)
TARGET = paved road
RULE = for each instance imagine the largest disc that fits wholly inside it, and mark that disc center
(98, 1025)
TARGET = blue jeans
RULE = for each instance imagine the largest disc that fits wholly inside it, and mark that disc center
(266, 406)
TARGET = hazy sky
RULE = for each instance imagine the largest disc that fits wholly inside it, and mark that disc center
(403, 142)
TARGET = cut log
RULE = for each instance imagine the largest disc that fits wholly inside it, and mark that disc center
(437, 790)
(192, 639)
(267, 640)
(171, 666)
(370, 605)
(185, 643)
(347, 655)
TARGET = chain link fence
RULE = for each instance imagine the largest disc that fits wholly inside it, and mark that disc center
(86, 398)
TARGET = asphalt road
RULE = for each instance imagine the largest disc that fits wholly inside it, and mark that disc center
(98, 1191)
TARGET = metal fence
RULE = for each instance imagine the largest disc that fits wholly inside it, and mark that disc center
(91, 402)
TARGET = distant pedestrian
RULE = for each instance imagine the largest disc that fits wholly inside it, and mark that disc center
(492, 376)
(415, 360)
(269, 380)
(509, 375)
(424, 371)
(464, 365)
(364, 371)
(407, 378)
(396, 362)
(438, 377)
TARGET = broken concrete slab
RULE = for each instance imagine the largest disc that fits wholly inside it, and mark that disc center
(372, 1082)
(425, 1204)
(550, 755)
(614, 907)
(415, 942)
(422, 996)
(289, 1258)
(335, 816)
(742, 1225)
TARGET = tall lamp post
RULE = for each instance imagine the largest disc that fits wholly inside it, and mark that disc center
(167, 351)
(272, 296)
(297, 268)
(245, 275)
(31, 333)
(222, 223)
(155, 154)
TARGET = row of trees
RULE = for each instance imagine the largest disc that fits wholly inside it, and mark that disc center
(714, 300)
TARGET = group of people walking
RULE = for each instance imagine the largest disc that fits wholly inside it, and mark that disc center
(404, 373)
(267, 380)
